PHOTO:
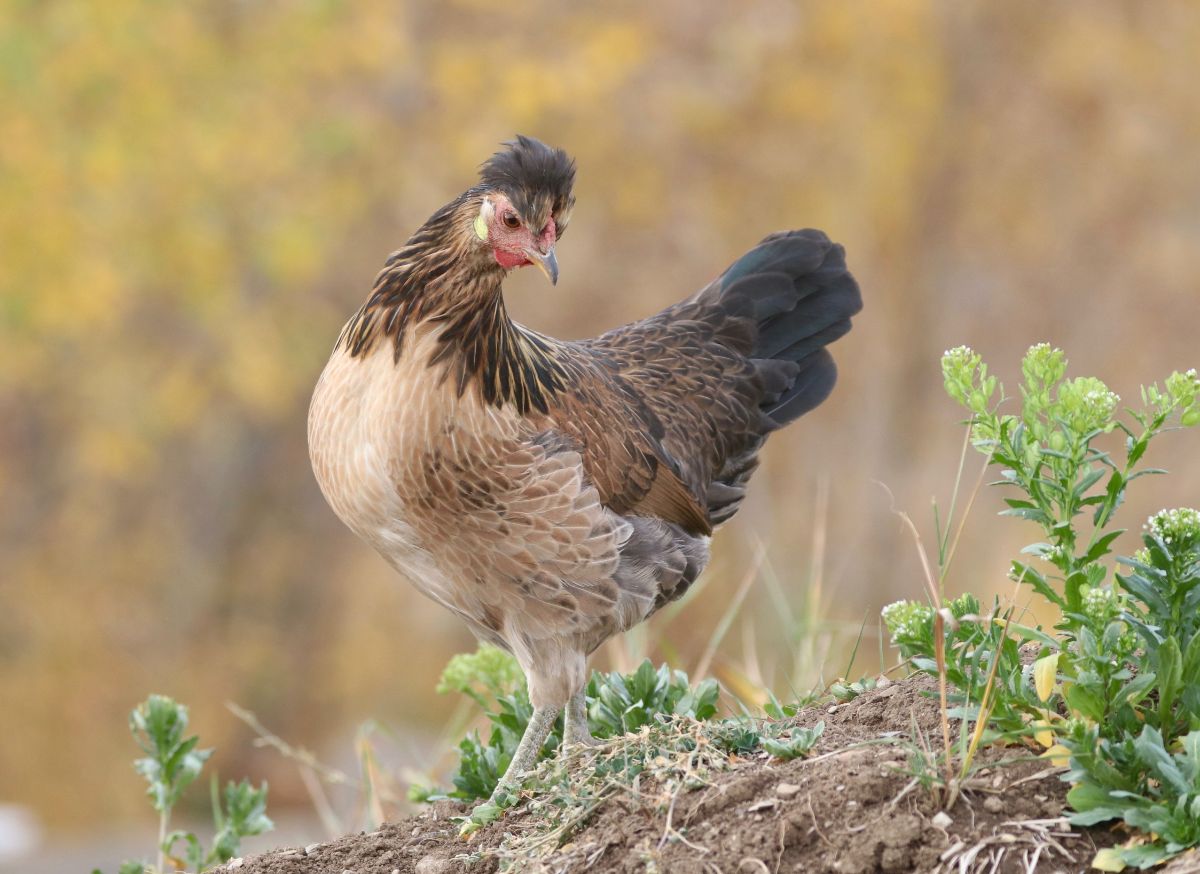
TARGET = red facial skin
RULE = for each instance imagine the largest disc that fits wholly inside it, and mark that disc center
(510, 244)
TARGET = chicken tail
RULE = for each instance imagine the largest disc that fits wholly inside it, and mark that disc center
(796, 293)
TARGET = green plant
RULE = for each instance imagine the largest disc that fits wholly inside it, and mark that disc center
(982, 653)
(847, 691)
(798, 744)
(1108, 690)
(647, 721)
(616, 704)
(172, 762)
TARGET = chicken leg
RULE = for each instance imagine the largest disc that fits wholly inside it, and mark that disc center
(526, 756)
(575, 723)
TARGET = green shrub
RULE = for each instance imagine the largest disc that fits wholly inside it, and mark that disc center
(1115, 689)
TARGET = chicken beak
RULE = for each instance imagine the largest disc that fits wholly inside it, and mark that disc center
(547, 263)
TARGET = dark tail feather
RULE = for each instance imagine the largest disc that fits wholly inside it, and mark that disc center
(795, 289)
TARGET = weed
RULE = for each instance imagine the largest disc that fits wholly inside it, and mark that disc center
(643, 719)
(1114, 689)
(651, 767)
(799, 744)
(616, 704)
(172, 762)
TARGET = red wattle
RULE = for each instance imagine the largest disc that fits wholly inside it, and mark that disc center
(509, 260)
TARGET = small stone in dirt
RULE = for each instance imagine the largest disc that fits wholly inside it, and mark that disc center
(765, 804)
(992, 804)
(433, 865)
(416, 830)
(942, 820)
(312, 849)
(235, 863)
(786, 790)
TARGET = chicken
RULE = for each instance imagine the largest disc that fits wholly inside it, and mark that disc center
(555, 493)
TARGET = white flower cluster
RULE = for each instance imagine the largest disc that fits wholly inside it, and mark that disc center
(906, 619)
(1182, 523)
(1053, 553)
(1101, 604)
(1103, 402)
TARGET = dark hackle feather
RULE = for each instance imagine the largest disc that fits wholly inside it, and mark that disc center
(433, 278)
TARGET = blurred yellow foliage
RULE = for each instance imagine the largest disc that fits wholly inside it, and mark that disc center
(196, 195)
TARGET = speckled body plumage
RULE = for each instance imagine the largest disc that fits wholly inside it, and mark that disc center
(553, 493)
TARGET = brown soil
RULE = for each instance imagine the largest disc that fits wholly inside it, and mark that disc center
(843, 809)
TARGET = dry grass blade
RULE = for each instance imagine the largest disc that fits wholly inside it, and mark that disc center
(1031, 839)
(939, 633)
(312, 772)
(710, 650)
(986, 702)
(962, 522)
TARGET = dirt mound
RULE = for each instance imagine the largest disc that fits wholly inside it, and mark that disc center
(851, 806)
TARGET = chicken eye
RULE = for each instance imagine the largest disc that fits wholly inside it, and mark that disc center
(511, 220)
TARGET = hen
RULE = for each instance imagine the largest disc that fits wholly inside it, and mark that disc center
(554, 493)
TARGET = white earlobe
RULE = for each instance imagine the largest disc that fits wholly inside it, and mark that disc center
(484, 220)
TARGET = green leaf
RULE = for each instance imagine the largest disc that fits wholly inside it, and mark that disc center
(1136, 451)
(1114, 495)
(800, 744)
(1170, 673)
(1191, 658)
(1100, 547)
(1025, 573)
(1086, 701)
(1089, 480)
(1145, 591)
(1138, 688)
(193, 854)
(1093, 804)
(1032, 514)
(1150, 749)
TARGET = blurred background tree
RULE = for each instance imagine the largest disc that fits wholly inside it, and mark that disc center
(197, 195)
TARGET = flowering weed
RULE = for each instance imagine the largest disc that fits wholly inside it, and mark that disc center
(1114, 691)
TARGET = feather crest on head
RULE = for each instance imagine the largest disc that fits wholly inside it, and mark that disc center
(537, 179)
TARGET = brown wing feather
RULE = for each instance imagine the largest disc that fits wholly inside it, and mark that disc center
(679, 404)
(620, 440)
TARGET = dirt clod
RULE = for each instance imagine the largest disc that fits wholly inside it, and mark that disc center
(434, 865)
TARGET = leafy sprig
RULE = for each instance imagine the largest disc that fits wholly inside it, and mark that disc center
(172, 762)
